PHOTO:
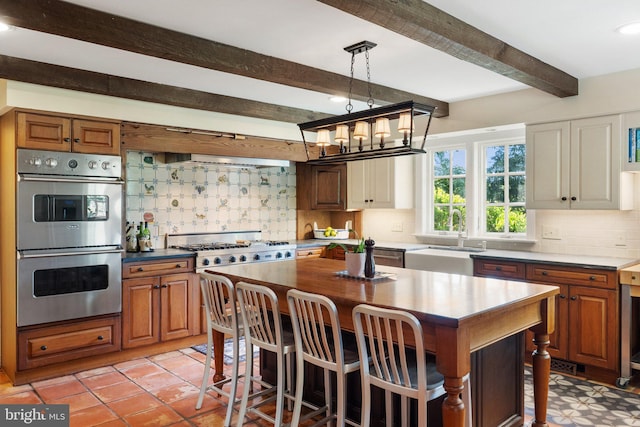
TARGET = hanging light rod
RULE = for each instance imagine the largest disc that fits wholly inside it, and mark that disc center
(355, 132)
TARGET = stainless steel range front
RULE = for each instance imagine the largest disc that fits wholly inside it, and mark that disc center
(232, 247)
(69, 236)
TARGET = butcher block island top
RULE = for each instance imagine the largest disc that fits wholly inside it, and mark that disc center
(459, 314)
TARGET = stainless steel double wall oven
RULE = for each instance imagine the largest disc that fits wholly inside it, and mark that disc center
(69, 235)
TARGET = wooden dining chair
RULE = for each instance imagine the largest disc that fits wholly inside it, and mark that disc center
(323, 346)
(382, 336)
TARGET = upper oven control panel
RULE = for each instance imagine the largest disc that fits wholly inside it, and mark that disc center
(68, 164)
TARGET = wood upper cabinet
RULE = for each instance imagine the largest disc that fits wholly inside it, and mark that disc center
(381, 183)
(577, 165)
(58, 133)
(157, 306)
(321, 187)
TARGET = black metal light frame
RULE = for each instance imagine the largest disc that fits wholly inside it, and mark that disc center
(372, 150)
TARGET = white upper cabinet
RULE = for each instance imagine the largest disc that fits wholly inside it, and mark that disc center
(381, 183)
(576, 165)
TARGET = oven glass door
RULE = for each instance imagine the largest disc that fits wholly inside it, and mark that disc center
(67, 214)
(68, 286)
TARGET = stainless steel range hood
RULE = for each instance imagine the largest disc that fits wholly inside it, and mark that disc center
(233, 162)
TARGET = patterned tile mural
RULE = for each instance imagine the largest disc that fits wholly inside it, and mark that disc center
(189, 199)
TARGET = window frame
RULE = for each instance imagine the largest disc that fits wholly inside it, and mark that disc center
(474, 142)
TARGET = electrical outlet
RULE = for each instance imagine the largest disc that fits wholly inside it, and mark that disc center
(551, 233)
(396, 226)
(620, 238)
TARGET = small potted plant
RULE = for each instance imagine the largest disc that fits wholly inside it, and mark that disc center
(354, 258)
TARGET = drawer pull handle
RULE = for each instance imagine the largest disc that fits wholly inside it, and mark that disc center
(498, 268)
(310, 253)
(140, 269)
(633, 277)
(43, 347)
(544, 273)
(592, 278)
(100, 337)
(178, 265)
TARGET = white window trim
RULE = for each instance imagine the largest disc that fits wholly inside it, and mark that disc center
(473, 142)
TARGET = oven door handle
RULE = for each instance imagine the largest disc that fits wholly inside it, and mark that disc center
(55, 253)
(79, 180)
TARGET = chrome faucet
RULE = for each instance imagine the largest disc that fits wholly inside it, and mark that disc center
(460, 236)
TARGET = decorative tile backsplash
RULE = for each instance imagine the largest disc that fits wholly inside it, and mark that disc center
(188, 199)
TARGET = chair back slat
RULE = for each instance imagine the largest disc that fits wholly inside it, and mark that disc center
(315, 319)
(256, 305)
(219, 302)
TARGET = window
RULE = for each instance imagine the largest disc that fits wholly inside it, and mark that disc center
(503, 178)
(481, 176)
(449, 189)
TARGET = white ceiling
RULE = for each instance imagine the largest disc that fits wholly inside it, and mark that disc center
(576, 36)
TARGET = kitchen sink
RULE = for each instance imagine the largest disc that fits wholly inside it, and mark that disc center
(442, 259)
(457, 248)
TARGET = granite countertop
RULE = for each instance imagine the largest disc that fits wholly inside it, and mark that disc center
(379, 245)
(586, 261)
(157, 254)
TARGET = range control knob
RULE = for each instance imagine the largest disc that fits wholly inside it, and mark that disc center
(93, 164)
(51, 162)
(232, 258)
(217, 260)
(256, 257)
(279, 255)
(106, 165)
(35, 161)
(288, 254)
(73, 163)
(206, 261)
(243, 258)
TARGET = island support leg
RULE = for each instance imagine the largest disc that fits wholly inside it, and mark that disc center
(453, 410)
(218, 354)
(541, 371)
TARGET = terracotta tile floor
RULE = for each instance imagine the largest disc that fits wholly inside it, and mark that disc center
(154, 391)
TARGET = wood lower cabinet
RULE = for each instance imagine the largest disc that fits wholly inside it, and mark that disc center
(59, 133)
(586, 311)
(157, 306)
(44, 345)
(314, 252)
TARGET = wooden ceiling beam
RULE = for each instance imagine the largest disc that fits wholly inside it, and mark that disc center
(27, 71)
(431, 26)
(77, 22)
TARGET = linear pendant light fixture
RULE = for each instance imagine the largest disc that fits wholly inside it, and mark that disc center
(373, 133)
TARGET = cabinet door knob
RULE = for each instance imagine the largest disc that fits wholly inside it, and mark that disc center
(573, 199)
(156, 286)
(100, 337)
(66, 139)
(164, 286)
(76, 139)
(562, 296)
(43, 347)
(574, 298)
(564, 199)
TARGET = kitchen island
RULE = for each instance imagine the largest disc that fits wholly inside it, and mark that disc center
(459, 314)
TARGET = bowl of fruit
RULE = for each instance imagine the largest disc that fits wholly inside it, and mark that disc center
(330, 233)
